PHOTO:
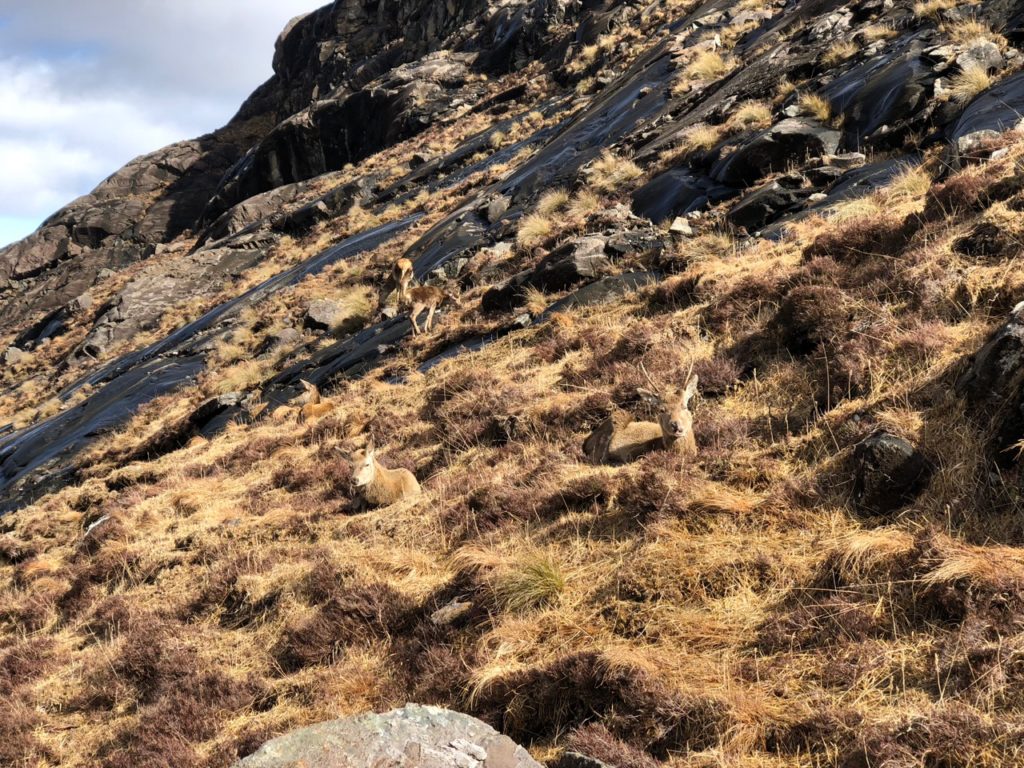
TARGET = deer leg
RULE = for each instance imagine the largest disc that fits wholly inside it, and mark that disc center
(430, 318)
(412, 317)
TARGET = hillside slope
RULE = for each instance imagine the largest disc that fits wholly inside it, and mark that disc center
(813, 206)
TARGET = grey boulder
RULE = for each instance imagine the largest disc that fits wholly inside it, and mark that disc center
(411, 737)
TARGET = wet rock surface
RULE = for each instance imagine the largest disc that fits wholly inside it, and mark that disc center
(411, 737)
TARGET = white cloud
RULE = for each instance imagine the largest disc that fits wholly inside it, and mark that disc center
(85, 87)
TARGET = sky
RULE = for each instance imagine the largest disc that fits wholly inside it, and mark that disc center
(87, 85)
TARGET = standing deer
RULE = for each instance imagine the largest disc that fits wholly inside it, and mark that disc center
(616, 441)
(401, 277)
(377, 485)
(426, 298)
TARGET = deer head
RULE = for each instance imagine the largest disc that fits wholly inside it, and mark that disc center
(363, 465)
(672, 405)
(312, 391)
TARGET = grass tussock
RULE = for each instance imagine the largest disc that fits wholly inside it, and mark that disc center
(552, 201)
(610, 173)
(839, 51)
(816, 106)
(708, 65)
(701, 138)
(969, 82)
(536, 582)
(751, 116)
(534, 229)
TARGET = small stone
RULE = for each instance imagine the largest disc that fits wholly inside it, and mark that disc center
(13, 356)
(419, 159)
(972, 142)
(845, 160)
(497, 207)
(681, 227)
(81, 303)
(824, 175)
(981, 53)
(450, 613)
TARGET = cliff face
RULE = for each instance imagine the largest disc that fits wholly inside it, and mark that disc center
(812, 206)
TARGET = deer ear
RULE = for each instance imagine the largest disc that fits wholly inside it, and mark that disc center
(648, 396)
(691, 389)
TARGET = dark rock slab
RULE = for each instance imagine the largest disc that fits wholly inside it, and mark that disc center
(51, 325)
(766, 204)
(676, 192)
(579, 259)
(786, 143)
(883, 98)
(890, 472)
(411, 737)
(603, 291)
(52, 442)
(997, 109)
(37, 459)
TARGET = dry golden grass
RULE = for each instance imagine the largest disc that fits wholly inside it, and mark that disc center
(967, 31)
(816, 106)
(708, 65)
(611, 172)
(583, 204)
(783, 90)
(875, 32)
(534, 581)
(552, 201)
(751, 116)
(934, 8)
(968, 83)
(700, 137)
(839, 51)
(534, 229)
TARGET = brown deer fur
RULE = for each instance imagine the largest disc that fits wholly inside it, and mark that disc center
(377, 485)
(620, 441)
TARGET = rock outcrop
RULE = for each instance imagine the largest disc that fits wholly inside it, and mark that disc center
(411, 737)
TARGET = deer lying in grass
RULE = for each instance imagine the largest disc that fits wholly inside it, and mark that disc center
(314, 407)
(619, 442)
(426, 298)
(377, 485)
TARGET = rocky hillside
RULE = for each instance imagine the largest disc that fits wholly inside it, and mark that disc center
(814, 207)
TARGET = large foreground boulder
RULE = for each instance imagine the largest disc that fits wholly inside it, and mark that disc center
(993, 387)
(411, 737)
